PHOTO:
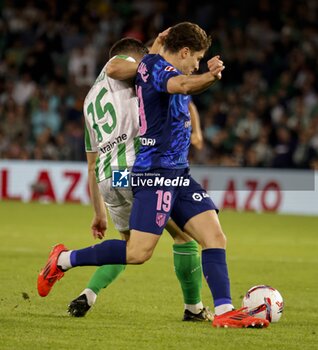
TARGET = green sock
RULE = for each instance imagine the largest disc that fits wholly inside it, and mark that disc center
(104, 276)
(187, 264)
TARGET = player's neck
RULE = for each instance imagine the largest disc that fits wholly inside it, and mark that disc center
(172, 58)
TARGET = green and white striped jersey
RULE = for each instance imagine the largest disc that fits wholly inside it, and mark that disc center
(111, 124)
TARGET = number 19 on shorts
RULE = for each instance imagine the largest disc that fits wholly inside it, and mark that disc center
(163, 200)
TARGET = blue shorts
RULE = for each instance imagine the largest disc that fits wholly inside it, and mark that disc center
(153, 205)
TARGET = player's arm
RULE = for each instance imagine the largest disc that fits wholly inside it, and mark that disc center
(99, 223)
(121, 69)
(194, 84)
(196, 136)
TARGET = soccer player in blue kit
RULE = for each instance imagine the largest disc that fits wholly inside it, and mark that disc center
(161, 182)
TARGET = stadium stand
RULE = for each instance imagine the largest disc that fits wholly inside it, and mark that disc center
(264, 112)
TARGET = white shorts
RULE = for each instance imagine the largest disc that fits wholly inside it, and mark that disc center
(119, 203)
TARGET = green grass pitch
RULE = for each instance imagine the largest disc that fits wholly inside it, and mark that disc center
(143, 308)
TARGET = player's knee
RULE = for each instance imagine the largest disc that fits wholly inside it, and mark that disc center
(138, 257)
(219, 236)
(224, 240)
(144, 256)
(216, 238)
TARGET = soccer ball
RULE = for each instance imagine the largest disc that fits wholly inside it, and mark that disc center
(264, 302)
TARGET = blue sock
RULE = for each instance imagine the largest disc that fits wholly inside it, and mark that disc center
(112, 251)
(215, 272)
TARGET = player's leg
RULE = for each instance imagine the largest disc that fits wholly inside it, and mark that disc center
(136, 251)
(101, 279)
(154, 216)
(119, 204)
(147, 221)
(187, 265)
(195, 212)
(106, 274)
(111, 252)
(206, 229)
(146, 225)
(140, 246)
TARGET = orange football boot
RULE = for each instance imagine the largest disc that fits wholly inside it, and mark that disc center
(238, 319)
(51, 273)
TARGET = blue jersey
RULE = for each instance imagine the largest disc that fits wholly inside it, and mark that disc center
(165, 126)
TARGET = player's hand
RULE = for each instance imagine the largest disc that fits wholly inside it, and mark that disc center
(99, 226)
(162, 36)
(197, 140)
(158, 43)
(216, 67)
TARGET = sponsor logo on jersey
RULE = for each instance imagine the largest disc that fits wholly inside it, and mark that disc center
(170, 69)
(120, 178)
(111, 144)
(199, 196)
(147, 142)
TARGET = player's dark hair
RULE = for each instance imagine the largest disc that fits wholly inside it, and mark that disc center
(127, 46)
(187, 34)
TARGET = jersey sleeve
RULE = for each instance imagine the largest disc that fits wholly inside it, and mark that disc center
(161, 74)
(123, 57)
(90, 140)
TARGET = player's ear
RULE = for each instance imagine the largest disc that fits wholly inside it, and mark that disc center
(185, 52)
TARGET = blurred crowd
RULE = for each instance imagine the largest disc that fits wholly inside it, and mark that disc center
(264, 112)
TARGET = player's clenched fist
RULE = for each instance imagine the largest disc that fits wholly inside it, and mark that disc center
(216, 66)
